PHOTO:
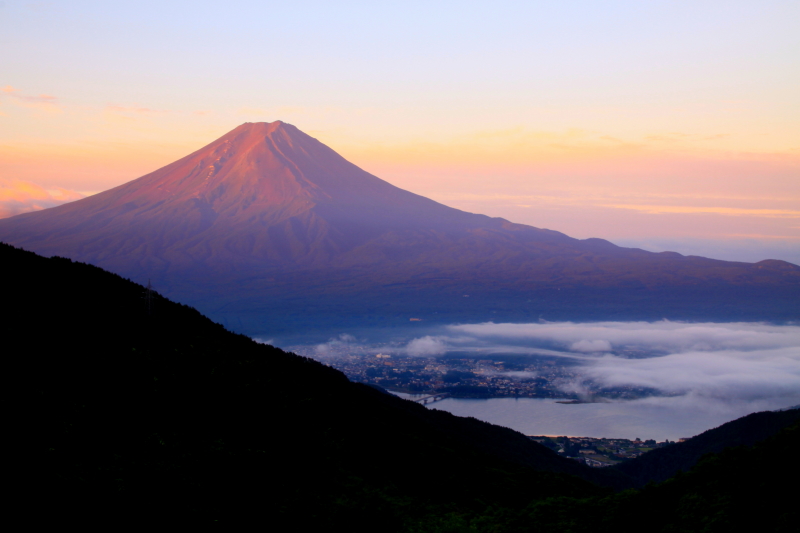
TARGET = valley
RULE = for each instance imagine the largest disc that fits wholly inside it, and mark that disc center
(139, 405)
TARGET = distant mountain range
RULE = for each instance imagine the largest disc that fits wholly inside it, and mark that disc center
(267, 229)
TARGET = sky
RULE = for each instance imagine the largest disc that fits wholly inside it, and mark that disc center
(667, 125)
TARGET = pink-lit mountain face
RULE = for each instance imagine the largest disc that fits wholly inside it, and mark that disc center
(267, 220)
(264, 194)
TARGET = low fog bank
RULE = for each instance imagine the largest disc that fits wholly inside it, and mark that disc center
(734, 368)
(748, 362)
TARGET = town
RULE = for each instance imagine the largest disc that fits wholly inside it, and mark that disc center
(599, 452)
(434, 378)
(469, 377)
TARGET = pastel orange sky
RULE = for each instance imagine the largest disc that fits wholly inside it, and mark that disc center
(669, 125)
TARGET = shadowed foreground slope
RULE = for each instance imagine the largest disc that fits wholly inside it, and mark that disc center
(663, 463)
(137, 413)
(139, 410)
(740, 489)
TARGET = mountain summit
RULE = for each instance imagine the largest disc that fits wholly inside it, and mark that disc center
(268, 222)
(265, 192)
(269, 170)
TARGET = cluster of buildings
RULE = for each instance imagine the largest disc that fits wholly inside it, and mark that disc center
(469, 377)
(461, 377)
(598, 452)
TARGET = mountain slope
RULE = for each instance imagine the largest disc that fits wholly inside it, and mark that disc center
(133, 409)
(264, 194)
(278, 229)
(739, 489)
(663, 463)
(136, 407)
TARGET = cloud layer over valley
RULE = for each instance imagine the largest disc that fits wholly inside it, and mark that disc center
(720, 363)
(730, 361)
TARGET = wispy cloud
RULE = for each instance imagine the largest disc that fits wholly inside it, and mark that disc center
(42, 101)
(689, 209)
(701, 374)
(663, 336)
(17, 196)
(427, 346)
(674, 136)
(724, 374)
(725, 361)
(135, 109)
(334, 345)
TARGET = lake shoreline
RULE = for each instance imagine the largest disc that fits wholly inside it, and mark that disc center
(659, 418)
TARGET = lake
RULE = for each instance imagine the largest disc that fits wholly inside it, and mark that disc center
(656, 418)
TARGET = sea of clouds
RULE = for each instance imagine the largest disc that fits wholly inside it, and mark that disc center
(745, 362)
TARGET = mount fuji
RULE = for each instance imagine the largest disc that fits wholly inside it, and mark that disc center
(267, 229)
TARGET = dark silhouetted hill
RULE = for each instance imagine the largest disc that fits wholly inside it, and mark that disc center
(739, 489)
(663, 463)
(134, 407)
(128, 408)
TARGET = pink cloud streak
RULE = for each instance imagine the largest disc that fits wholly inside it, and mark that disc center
(17, 197)
(42, 99)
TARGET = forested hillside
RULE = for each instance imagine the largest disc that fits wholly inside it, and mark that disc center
(740, 489)
(133, 407)
(663, 463)
(135, 404)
